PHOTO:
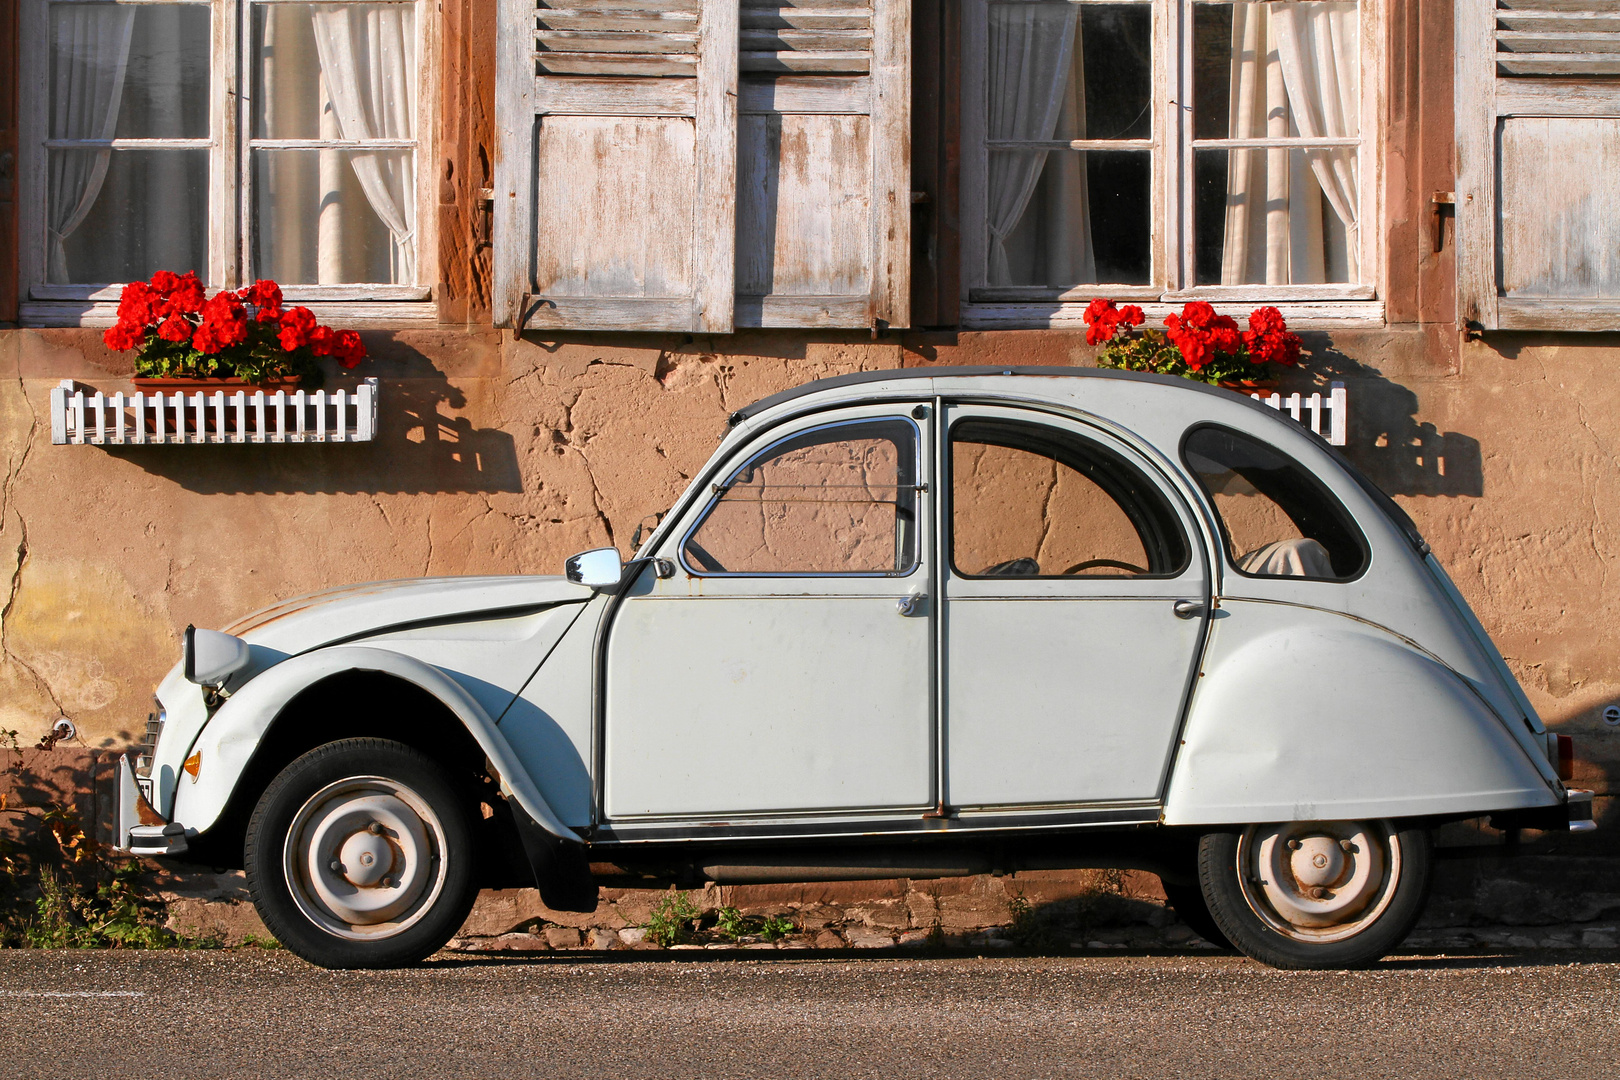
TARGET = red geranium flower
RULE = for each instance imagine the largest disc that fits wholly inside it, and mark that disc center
(186, 297)
(175, 328)
(296, 327)
(348, 348)
(125, 335)
(224, 323)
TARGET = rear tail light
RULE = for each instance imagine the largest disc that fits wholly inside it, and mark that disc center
(1566, 758)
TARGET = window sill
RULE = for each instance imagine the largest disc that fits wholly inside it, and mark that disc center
(355, 314)
(1058, 315)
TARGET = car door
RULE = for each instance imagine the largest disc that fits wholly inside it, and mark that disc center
(785, 667)
(1075, 596)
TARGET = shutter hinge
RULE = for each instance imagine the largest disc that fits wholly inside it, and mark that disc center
(1445, 205)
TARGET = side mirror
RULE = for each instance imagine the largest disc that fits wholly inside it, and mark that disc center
(212, 657)
(598, 569)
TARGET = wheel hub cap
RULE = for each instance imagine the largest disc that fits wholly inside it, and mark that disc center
(1319, 880)
(364, 857)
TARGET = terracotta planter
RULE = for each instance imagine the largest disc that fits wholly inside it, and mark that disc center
(210, 383)
(1249, 386)
(207, 385)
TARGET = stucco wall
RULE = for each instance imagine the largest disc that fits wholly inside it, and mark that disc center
(500, 455)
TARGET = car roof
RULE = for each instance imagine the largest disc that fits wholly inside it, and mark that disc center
(889, 375)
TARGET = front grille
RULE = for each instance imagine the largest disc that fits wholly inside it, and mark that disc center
(145, 748)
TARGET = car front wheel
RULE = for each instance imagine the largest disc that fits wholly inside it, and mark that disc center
(359, 856)
(1316, 894)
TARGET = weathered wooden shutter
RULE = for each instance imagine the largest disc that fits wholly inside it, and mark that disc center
(823, 184)
(1538, 163)
(615, 164)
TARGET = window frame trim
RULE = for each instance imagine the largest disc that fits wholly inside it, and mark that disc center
(1315, 306)
(43, 303)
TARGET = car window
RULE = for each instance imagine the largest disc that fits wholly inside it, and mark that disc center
(839, 499)
(1277, 519)
(1028, 500)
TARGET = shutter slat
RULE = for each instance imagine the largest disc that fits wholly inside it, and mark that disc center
(807, 40)
(1521, 64)
(599, 21)
(623, 42)
(1516, 42)
(621, 7)
(829, 62)
(799, 19)
(646, 64)
(1542, 22)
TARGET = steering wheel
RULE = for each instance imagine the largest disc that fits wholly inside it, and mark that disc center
(704, 560)
(1089, 563)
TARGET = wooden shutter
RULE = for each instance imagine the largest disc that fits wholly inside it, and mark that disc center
(823, 184)
(1538, 163)
(615, 164)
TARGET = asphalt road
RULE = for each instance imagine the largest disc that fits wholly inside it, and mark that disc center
(248, 1013)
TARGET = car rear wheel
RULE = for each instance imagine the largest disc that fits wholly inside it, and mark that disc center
(359, 855)
(1316, 894)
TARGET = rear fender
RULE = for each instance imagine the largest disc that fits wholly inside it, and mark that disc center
(233, 735)
(1302, 714)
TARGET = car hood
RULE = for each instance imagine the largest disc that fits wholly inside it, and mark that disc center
(356, 611)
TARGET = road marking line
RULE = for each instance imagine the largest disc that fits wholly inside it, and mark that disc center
(71, 993)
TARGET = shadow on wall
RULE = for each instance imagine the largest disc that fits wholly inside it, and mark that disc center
(1400, 454)
(419, 449)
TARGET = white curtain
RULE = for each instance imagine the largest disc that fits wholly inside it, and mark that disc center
(1295, 72)
(368, 65)
(1036, 92)
(91, 56)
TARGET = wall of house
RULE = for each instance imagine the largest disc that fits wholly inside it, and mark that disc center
(499, 454)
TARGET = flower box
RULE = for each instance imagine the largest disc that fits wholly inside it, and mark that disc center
(241, 416)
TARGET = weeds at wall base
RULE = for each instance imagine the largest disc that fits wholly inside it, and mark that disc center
(60, 888)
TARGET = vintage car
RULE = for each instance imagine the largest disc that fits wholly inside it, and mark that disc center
(913, 623)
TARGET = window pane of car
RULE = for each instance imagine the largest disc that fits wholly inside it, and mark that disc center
(1057, 73)
(1032, 501)
(834, 500)
(1278, 521)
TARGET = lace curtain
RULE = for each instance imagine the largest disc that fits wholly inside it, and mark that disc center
(91, 58)
(368, 69)
(1295, 72)
(1037, 93)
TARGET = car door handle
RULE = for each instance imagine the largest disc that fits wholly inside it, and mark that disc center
(911, 605)
(1188, 609)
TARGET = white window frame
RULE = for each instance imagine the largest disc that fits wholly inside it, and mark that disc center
(1171, 196)
(229, 180)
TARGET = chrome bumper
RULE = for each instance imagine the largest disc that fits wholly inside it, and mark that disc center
(139, 829)
(1578, 801)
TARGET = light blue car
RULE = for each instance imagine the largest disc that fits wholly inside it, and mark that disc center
(912, 623)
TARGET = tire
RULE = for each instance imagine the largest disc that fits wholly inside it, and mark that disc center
(360, 855)
(1190, 908)
(1316, 894)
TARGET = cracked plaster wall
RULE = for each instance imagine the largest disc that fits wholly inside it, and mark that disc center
(500, 455)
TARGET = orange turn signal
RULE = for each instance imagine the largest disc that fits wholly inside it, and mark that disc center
(194, 763)
(1566, 758)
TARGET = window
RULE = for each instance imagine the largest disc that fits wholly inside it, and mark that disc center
(148, 151)
(1158, 150)
(1538, 175)
(834, 500)
(1277, 520)
(1030, 501)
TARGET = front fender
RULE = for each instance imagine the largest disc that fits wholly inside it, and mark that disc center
(1302, 714)
(231, 737)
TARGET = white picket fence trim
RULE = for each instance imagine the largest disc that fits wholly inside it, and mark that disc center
(160, 419)
(1336, 403)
